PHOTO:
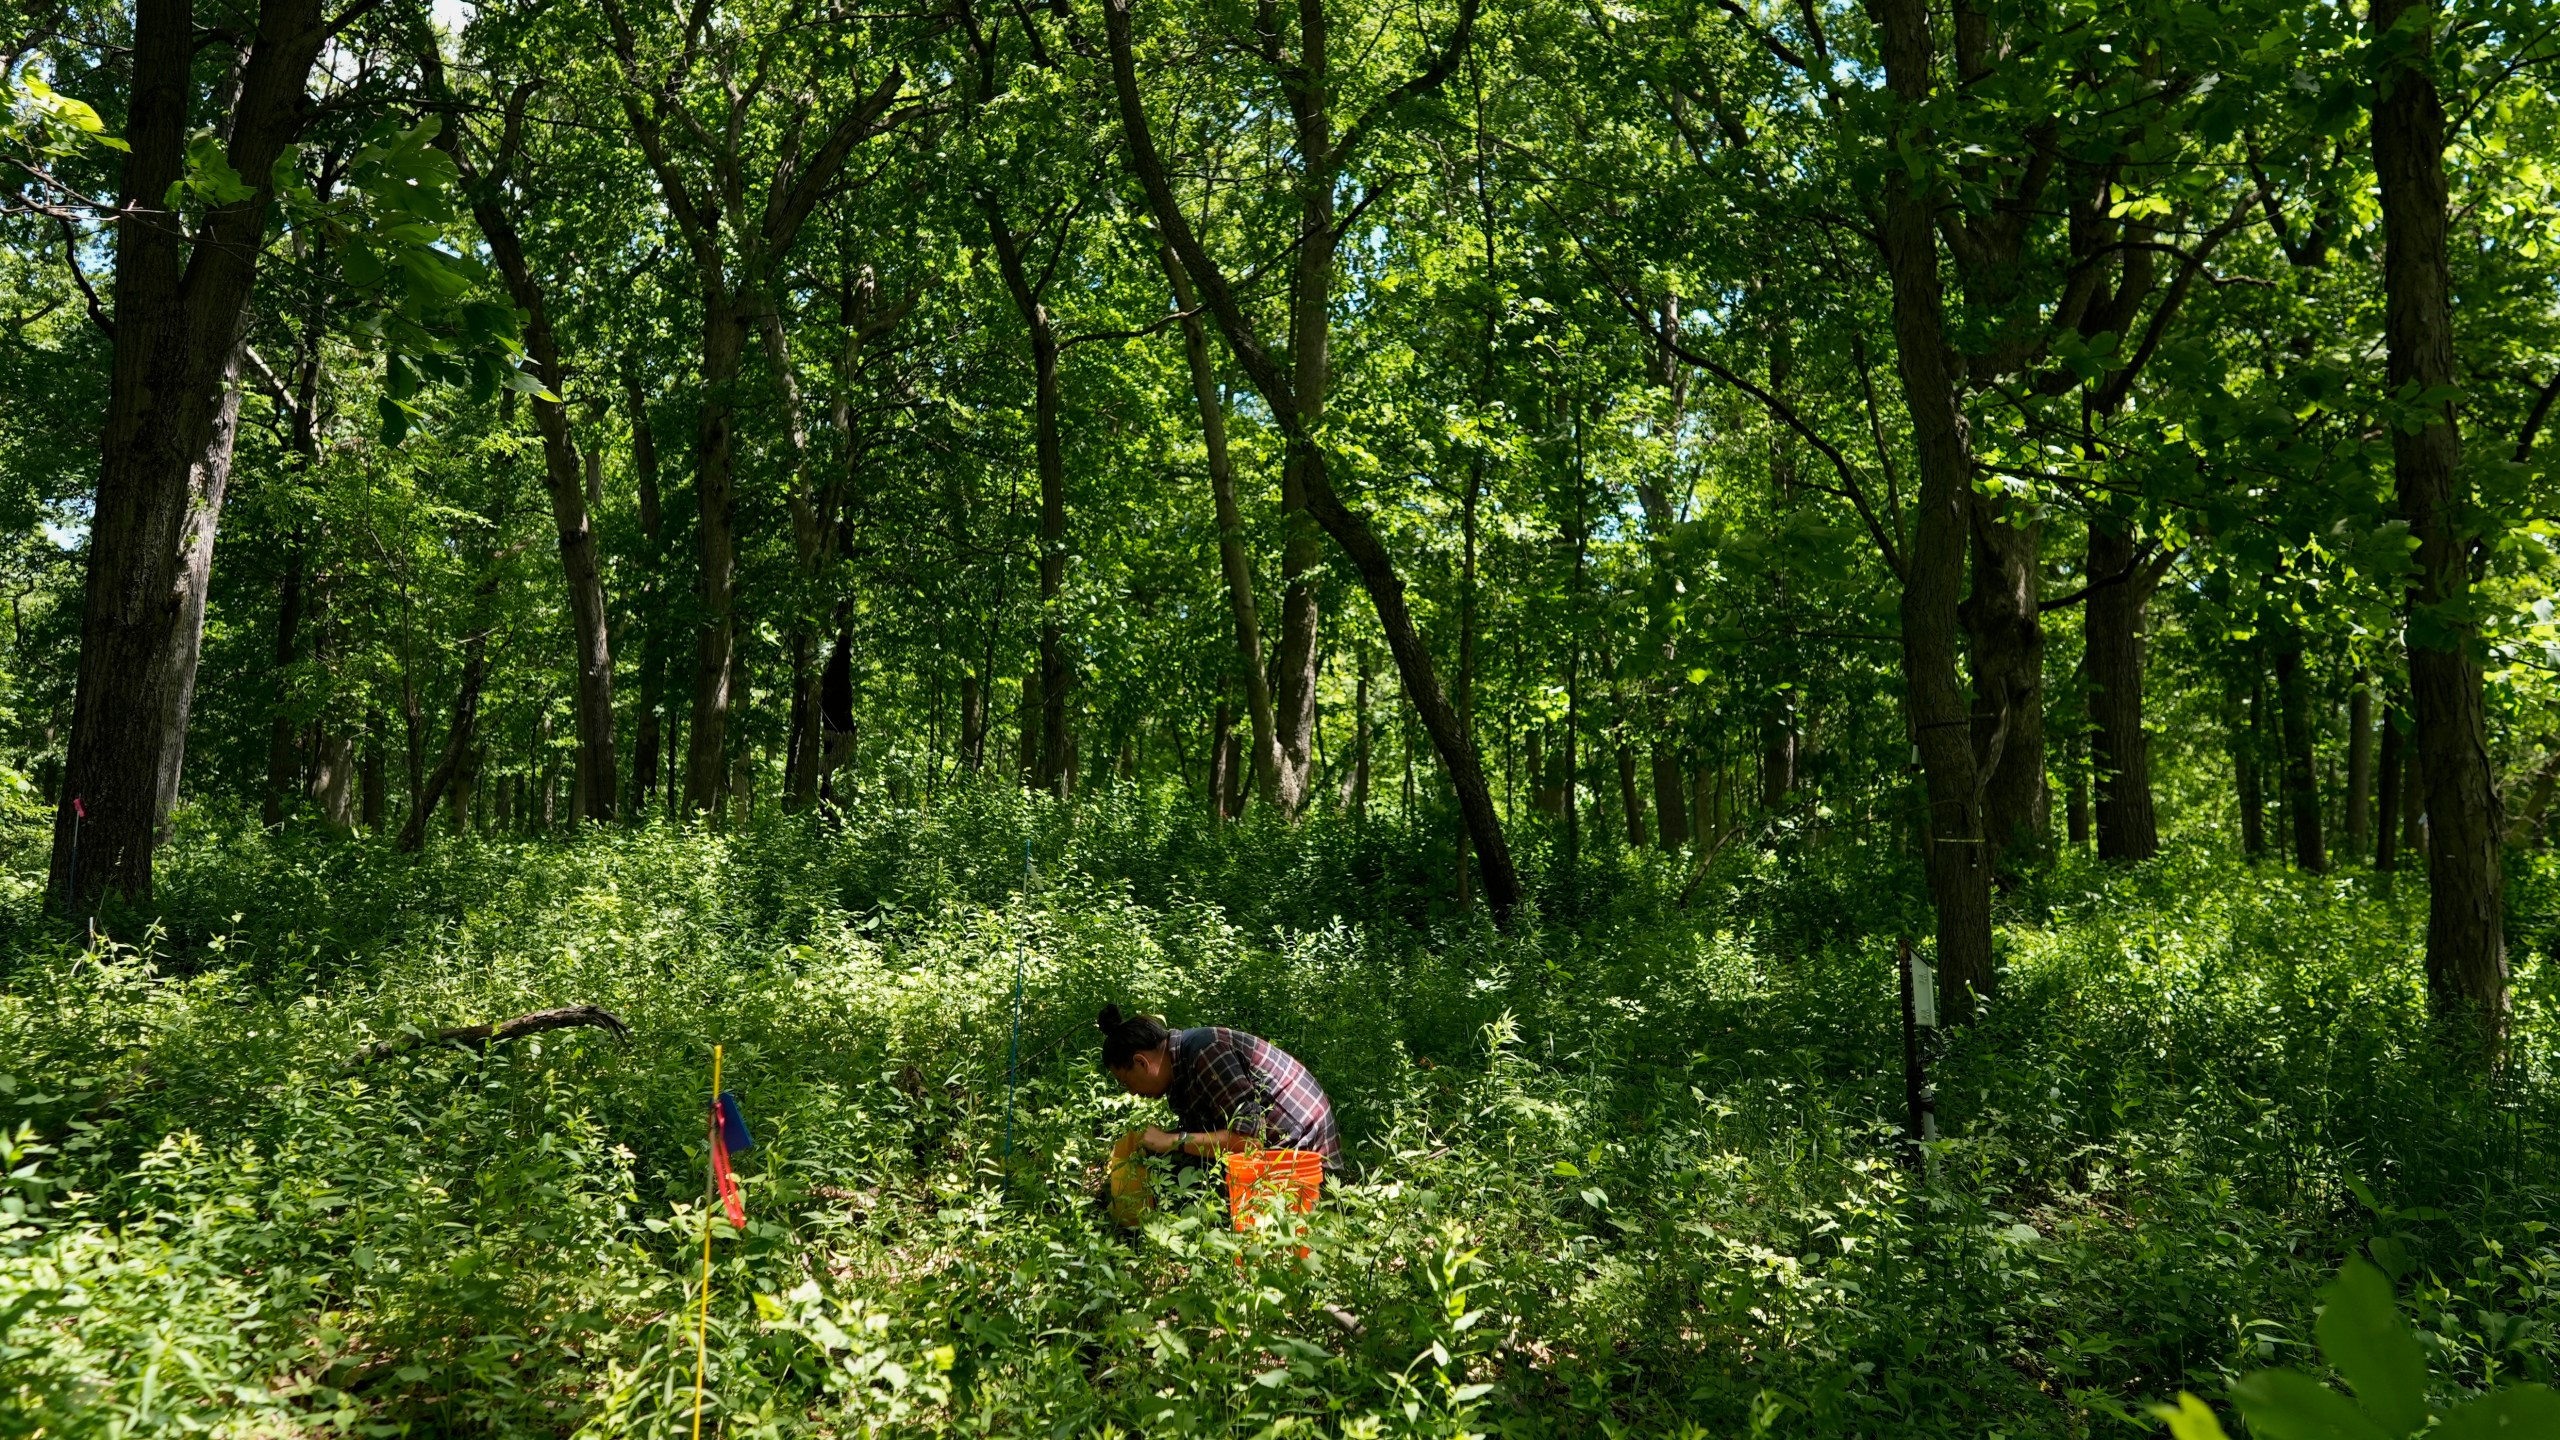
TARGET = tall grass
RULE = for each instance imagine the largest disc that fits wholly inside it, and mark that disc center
(1629, 1169)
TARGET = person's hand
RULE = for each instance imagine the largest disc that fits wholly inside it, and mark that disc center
(1158, 1142)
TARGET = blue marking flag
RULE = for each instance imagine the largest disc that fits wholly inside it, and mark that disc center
(728, 1132)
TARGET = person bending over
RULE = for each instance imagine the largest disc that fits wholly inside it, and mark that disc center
(1229, 1091)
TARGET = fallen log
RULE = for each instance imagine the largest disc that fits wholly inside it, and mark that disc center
(476, 1036)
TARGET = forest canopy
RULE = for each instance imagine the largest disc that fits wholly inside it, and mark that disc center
(1553, 559)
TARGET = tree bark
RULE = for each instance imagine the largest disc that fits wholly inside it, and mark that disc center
(2301, 783)
(281, 776)
(1049, 455)
(2359, 817)
(2413, 801)
(653, 661)
(1957, 867)
(2119, 748)
(2249, 759)
(1235, 562)
(973, 723)
(2007, 632)
(2386, 833)
(1355, 784)
(369, 776)
(207, 481)
(2466, 927)
(1670, 815)
(1223, 783)
(563, 474)
(1027, 763)
(180, 311)
(2075, 798)
(1630, 800)
(723, 353)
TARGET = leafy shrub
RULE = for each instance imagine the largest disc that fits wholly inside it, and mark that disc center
(1629, 1171)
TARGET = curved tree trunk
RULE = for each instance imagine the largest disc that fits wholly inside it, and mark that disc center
(1349, 529)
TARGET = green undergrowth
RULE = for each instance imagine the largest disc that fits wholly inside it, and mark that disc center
(1630, 1169)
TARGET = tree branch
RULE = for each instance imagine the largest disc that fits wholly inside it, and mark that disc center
(478, 1036)
(1431, 77)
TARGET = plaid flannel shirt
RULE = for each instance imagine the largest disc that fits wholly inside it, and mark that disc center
(1227, 1080)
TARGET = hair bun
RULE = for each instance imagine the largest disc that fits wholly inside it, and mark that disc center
(1109, 1019)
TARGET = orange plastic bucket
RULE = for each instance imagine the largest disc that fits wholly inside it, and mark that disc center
(1255, 1177)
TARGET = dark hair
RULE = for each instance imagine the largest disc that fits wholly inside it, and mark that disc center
(1124, 1039)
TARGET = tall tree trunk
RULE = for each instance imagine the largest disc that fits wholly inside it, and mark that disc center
(1778, 741)
(1223, 783)
(2119, 748)
(653, 660)
(332, 787)
(2413, 803)
(1355, 784)
(369, 776)
(1670, 815)
(1779, 738)
(1958, 870)
(1027, 764)
(801, 745)
(1049, 456)
(2466, 926)
(2249, 759)
(564, 476)
(2359, 817)
(724, 344)
(973, 723)
(206, 484)
(1235, 562)
(2386, 833)
(180, 311)
(2075, 799)
(835, 713)
(1630, 800)
(2002, 620)
(2301, 783)
(282, 776)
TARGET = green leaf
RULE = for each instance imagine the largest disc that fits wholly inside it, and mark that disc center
(2289, 1405)
(2363, 1337)
(2190, 1419)
(210, 174)
(2514, 1413)
(525, 382)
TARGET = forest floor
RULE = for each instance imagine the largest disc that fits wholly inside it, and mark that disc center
(1630, 1170)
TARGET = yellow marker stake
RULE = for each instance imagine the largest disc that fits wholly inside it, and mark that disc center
(702, 1327)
